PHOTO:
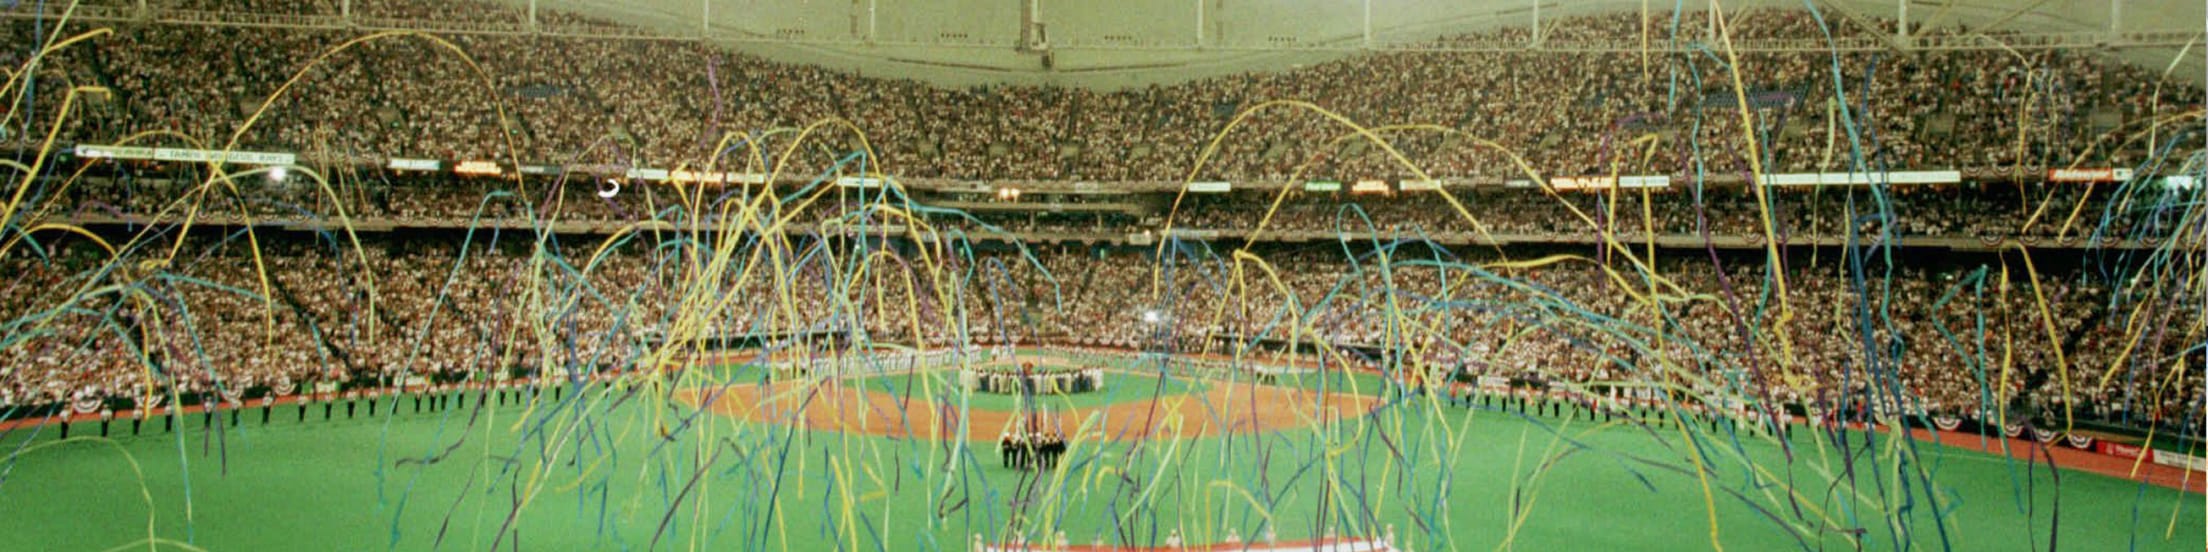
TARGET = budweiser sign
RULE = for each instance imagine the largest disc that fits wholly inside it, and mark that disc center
(2088, 175)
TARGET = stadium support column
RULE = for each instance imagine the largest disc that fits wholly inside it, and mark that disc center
(1536, 23)
(1901, 20)
(1200, 23)
(1027, 24)
(532, 15)
(2115, 16)
(705, 18)
(1368, 24)
(1710, 18)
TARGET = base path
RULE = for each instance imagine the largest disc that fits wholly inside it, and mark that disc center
(1222, 409)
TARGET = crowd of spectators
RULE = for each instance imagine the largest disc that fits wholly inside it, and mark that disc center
(229, 316)
(1988, 212)
(548, 99)
(1959, 340)
(2074, 213)
(1987, 348)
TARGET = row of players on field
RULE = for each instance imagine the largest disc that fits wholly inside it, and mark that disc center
(1026, 443)
(1030, 381)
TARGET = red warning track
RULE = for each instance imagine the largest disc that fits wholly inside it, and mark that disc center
(1221, 409)
(2072, 459)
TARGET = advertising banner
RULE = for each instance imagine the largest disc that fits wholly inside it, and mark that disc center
(2087, 176)
(186, 155)
(1863, 179)
(2174, 460)
(478, 168)
(398, 164)
(1583, 183)
(1609, 182)
(698, 177)
(599, 170)
(114, 152)
(859, 182)
(232, 157)
(2120, 450)
(1924, 177)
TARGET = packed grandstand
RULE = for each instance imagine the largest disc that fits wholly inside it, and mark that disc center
(1916, 111)
(647, 104)
(1986, 252)
(1074, 297)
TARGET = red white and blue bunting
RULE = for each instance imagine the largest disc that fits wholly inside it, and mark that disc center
(2079, 441)
(2045, 436)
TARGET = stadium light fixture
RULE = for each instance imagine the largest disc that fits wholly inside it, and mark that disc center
(279, 174)
(1152, 317)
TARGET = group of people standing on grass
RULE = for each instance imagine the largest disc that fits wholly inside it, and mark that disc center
(1034, 450)
(1030, 381)
(1032, 442)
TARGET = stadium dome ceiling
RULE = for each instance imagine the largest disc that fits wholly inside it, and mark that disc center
(1133, 42)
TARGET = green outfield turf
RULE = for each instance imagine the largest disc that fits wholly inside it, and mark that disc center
(614, 481)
